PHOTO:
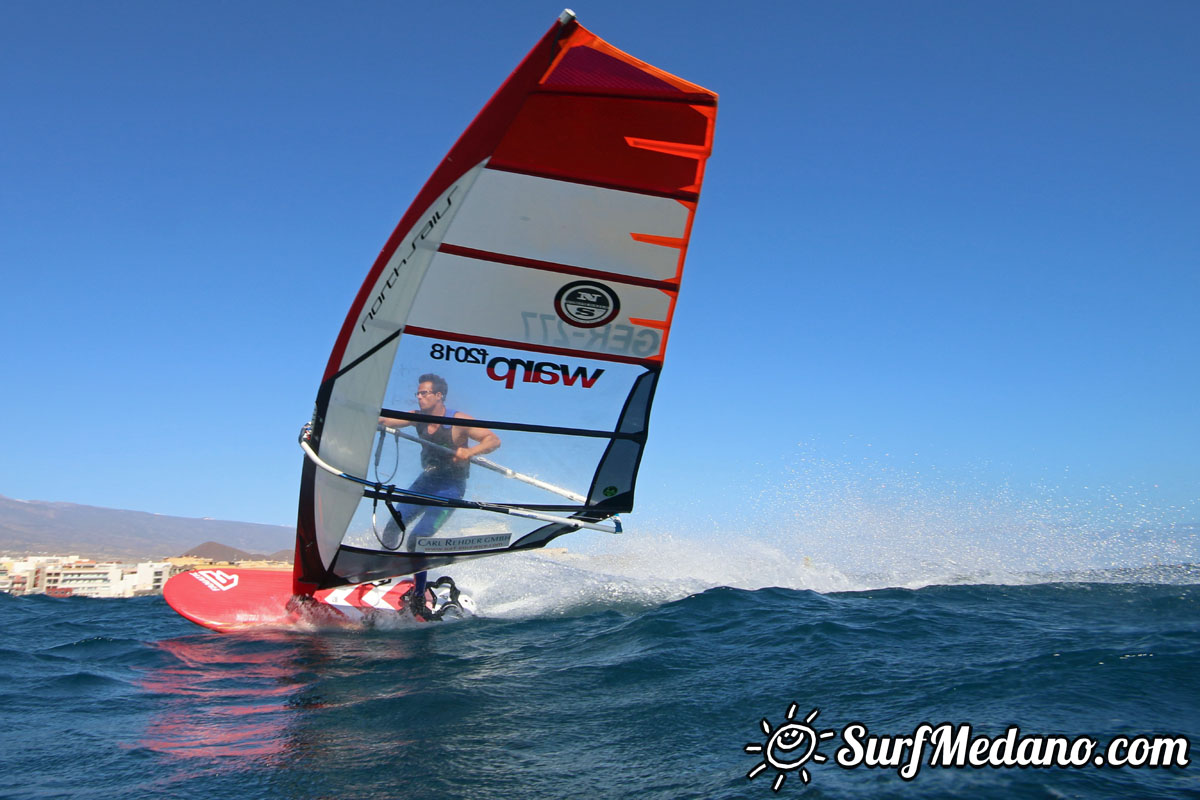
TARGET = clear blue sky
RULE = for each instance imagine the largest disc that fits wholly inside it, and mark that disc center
(959, 239)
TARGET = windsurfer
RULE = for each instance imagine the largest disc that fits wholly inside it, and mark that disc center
(446, 453)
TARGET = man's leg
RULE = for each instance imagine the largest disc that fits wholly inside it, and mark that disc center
(430, 522)
(409, 512)
(392, 536)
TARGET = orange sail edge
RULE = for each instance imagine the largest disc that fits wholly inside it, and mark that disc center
(683, 149)
(679, 242)
(659, 241)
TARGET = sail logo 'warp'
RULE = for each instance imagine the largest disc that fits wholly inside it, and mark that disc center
(540, 372)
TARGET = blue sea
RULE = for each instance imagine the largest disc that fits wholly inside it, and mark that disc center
(588, 677)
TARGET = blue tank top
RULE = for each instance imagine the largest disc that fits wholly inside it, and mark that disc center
(436, 461)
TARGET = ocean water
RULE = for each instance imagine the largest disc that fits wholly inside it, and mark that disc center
(588, 676)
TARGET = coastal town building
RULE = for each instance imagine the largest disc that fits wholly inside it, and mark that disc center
(72, 576)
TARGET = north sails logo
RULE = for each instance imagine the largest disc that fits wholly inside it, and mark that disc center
(506, 370)
(394, 273)
(217, 580)
(586, 304)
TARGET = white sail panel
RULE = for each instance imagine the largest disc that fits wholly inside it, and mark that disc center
(572, 224)
(521, 305)
(391, 294)
(351, 417)
(351, 420)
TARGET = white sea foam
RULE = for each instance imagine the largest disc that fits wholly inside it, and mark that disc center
(832, 525)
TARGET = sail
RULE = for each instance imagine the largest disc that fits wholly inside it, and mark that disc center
(536, 274)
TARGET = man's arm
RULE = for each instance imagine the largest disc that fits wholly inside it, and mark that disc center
(395, 423)
(488, 441)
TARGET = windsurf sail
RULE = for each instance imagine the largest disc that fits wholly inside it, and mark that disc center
(536, 274)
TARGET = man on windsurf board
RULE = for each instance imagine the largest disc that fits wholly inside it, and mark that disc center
(446, 453)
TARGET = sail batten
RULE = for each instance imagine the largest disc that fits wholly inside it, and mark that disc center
(682, 194)
(522, 306)
(509, 425)
(563, 269)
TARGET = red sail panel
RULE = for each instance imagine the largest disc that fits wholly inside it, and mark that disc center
(582, 67)
(587, 62)
(587, 138)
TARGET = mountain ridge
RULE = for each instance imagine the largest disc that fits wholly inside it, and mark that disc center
(38, 527)
(223, 552)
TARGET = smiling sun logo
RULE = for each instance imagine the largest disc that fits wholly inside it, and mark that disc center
(789, 747)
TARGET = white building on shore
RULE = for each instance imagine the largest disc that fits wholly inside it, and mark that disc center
(66, 576)
(72, 576)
